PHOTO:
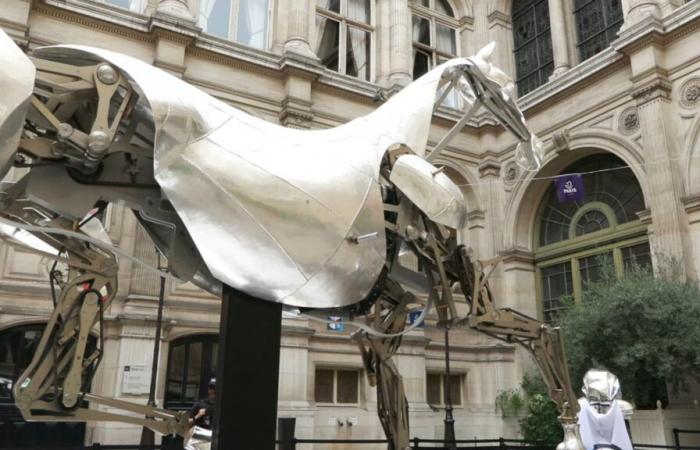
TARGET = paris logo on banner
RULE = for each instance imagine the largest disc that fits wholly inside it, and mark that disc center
(569, 187)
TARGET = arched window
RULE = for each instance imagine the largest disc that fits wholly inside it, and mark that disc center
(17, 347)
(244, 21)
(434, 34)
(344, 36)
(534, 61)
(191, 364)
(575, 239)
(597, 24)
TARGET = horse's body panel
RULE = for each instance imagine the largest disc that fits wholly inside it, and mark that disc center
(275, 212)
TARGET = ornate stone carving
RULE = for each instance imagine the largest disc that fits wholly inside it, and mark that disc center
(628, 122)
(511, 174)
(657, 88)
(560, 140)
(489, 168)
(690, 93)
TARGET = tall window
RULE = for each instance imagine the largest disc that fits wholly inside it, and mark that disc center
(335, 386)
(132, 5)
(17, 346)
(244, 21)
(191, 364)
(434, 34)
(576, 239)
(344, 36)
(436, 389)
(597, 24)
(534, 61)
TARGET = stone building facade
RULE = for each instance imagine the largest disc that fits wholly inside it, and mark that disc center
(612, 87)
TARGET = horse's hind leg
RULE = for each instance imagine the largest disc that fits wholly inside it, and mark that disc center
(388, 318)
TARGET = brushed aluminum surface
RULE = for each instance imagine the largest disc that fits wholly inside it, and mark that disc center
(276, 212)
(430, 190)
(17, 75)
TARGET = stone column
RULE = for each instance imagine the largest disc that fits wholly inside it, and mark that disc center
(178, 9)
(399, 43)
(560, 37)
(300, 17)
(638, 10)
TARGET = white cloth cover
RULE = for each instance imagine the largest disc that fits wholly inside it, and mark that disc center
(603, 430)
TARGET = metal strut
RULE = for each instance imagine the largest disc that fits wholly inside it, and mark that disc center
(389, 317)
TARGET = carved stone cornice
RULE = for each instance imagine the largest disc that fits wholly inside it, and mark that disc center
(490, 168)
(499, 18)
(645, 217)
(476, 218)
(296, 113)
(165, 27)
(691, 203)
(659, 87)
(517, 255)
(466, 23)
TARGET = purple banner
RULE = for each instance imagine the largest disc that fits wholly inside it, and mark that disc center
(569, 187)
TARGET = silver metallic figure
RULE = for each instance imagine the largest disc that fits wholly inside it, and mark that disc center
(311, 219)
(602, 412)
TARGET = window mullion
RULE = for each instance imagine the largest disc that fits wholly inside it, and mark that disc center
(183, 388)
(233, 20)
(342, 47)
(335, 386)
(618, 262)
(576, 280)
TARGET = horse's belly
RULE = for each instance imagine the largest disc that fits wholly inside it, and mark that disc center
(276, 218)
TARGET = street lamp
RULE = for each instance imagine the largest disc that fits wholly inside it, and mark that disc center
(449, 437)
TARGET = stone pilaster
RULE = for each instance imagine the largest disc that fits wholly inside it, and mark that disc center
(560, 37)
(490, 176)
(296, 107)
(399, 43)
(638, 10)
(500, 28)
(671, 237)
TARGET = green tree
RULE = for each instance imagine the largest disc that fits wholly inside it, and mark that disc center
(540, 423)
(643, 328)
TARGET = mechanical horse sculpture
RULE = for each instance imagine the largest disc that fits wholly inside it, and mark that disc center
(314, 220)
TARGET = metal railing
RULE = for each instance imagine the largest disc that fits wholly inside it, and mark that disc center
(677, 436)
(416, 444)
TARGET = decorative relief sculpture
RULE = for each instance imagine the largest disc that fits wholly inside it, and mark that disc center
(309, 219)
(690, 93)
(629, 121)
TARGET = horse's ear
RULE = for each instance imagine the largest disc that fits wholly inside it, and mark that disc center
(486, 52)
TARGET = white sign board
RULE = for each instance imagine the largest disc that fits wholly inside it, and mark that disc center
(135, 380)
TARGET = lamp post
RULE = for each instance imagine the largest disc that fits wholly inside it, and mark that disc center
(147, 435)
(449, 437)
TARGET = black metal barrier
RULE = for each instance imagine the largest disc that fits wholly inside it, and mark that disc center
(677, 436)
(416, 444)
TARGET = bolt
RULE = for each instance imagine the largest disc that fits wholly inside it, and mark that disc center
(64, 131)
(107, 74)
(98, 142)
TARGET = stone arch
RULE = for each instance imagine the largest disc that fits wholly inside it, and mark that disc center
(462, 8)
(522, 206)
(170, 337)
(463, 179)
(692, 152)
(33, 321)
(21, 323)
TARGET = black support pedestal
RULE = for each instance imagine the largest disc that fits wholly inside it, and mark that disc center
(247, 373)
